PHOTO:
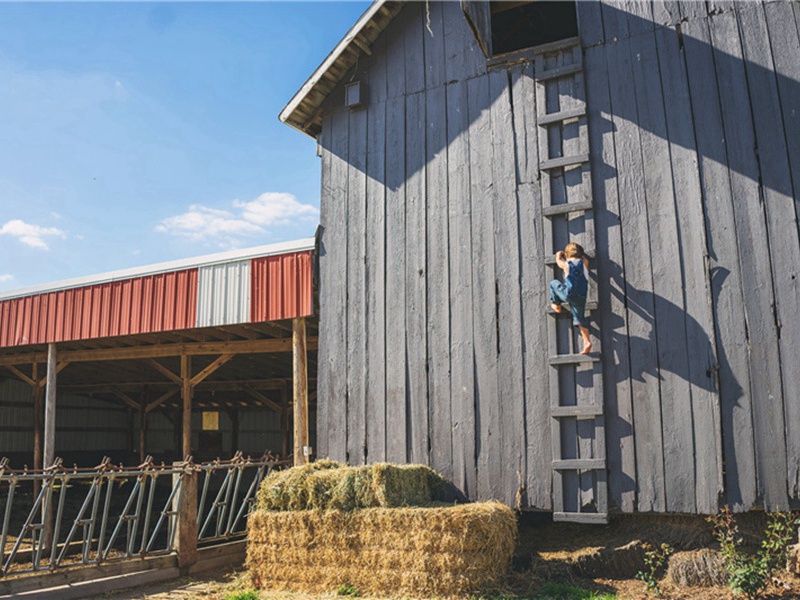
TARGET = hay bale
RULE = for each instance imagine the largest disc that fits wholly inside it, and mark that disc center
(330, 485)
(697, 568)
(622, 562)
(408, 551)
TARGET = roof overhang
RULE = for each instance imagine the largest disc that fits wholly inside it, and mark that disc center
(303, 110)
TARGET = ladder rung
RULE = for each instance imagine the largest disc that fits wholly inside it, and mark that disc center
(563, 162)
(556, 210)
(559, 72)
(590, 306)
(561, 116)
(573, 359)
(585, 411)
(579, 464)
(556, 46)
(578, 517)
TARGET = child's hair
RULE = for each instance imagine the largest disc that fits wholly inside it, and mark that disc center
(573, 250)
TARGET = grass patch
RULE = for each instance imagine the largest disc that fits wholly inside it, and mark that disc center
(348, 590)
(566, 591)
(244, 595)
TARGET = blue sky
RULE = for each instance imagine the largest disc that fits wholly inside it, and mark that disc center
(134, 133)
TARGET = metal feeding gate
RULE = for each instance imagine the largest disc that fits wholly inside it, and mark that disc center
(57, 518)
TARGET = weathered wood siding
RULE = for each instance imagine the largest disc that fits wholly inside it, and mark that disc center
(432, 274)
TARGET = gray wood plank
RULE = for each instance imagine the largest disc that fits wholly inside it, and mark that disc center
(732, 377)
(479, 16)
(462, 355)
(752, 234)
(639, 285)
(438, 282)
(615, 20)
(396, 58)
(640, 16)
(590, 23)
(416, 276)
(411, 23)
(692, 10)
(785, 43)
(356, 289)
(668, 318)
(396, 378)
(667, 12)
(533, 289)
(326, 315)
(463, 57)
(780, 211)
(507, 273)
(375, 74)
(483, 290)
(336, 289)
(376, 283)
(433, 38)
(699, 318)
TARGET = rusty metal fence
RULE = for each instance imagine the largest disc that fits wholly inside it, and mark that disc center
(58, 517)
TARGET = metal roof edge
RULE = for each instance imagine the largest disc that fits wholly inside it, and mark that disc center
(332, 57)
(165, 267)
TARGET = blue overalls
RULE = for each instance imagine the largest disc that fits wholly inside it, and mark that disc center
(573, 291)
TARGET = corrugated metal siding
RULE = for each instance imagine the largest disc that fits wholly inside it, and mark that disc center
(74, 416)
(281, 287)
(161, 302)
(224, 294)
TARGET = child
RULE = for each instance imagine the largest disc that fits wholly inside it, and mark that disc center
(574, 289)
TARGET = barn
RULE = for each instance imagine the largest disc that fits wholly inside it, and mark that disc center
(461, 145)
(201, 357)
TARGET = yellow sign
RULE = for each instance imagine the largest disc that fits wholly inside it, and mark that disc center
(210, 420)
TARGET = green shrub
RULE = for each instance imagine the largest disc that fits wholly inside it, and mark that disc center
(750, 574)
(553, 590)
(655, 561)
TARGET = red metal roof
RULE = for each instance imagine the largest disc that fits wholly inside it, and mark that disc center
(279, 287)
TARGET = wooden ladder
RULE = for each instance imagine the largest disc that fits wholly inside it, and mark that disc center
(577, 422)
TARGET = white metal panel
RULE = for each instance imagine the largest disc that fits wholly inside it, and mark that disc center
(223, 294)
(175, 265)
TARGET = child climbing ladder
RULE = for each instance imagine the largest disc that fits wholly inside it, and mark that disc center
(573, 289)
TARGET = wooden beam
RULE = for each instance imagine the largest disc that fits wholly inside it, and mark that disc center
(266, 346)
(285, 430)
(127, 400)
(186, 396)
(164, 370)
(264, 399)
(211, 368)
(32, 382)
(160, 400)
(300, 400)
(60, 367)
(224, 386)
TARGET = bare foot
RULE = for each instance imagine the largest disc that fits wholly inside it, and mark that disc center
(557, 308)
(587, 348)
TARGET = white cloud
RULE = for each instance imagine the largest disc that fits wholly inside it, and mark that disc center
(6, 277)
(30, 234)
(246, 219)
(275, 208)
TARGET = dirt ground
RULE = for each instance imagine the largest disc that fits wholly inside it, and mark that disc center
(578, 562)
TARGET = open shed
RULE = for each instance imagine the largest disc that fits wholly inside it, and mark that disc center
(198, 357)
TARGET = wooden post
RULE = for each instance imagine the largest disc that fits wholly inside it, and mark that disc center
(286, 432)
(300, 377)
(49, 436)
(186, 395)
(131, 436)
(142, 433)
(185, 507)
(37, 427)
(234, 414)
(50, 407)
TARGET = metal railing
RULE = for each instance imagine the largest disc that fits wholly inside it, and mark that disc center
(58, 517)
(228, 493)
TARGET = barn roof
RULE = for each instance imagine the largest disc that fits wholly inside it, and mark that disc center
(242, 286)
(303, 110)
